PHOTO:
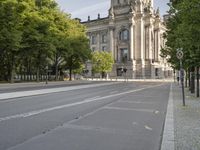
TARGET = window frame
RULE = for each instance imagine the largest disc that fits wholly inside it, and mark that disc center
(124, 35)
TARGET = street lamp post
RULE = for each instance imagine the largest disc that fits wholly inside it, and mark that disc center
(179, 55)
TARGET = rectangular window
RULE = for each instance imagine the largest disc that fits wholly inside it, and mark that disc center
(124, 35)
(104, 40)
(124, 55)
(93, 39)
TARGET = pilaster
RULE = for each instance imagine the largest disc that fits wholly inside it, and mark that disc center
(111, 31)
(98, 41)
(139, 32)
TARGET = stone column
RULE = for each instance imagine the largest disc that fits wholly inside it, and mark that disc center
(150, 42)
(98, 41)
(158, 34)
(139, 36)
(132, 49)
(131, 37)
(147, 48)
(112, 42)
(156, 45)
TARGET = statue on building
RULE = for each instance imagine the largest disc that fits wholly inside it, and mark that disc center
(147, 6)
(157, 13)
(111, 13)
(132, 5)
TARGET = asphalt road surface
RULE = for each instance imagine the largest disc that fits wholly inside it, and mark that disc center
(115, 116)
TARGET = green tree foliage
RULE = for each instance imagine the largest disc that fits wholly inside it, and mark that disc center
(184, 32)
(102, 62)
(11, 17)
(37, 40)
(35, 34)
(79, 51)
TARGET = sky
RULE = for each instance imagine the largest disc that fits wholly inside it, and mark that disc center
(84, 8)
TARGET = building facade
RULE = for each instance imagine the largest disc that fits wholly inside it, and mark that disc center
(133, 33)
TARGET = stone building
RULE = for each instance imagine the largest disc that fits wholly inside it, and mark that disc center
(133, 33)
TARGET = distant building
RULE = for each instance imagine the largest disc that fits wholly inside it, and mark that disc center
(133, 32)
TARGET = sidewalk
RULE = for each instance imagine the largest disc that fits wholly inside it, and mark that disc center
(186, 120)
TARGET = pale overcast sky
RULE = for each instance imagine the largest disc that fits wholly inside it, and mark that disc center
(84, 8)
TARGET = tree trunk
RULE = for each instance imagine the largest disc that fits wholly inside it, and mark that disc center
(12, 75)
(189, 78)
(186, 78)
(70, 68)
(12, 70)
(70, 73)
(56, 65)
(20, 70)
(27, 74)
(193, 80)
(24, 74)
(37, 74)
(174, 71)
(56, 70)
(197, 76)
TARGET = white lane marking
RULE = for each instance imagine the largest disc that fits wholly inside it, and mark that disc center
(133, 109)
(7, 96)
(156, 112)
(92, 98)
(32, 113)
(134, 102)
(148, 128)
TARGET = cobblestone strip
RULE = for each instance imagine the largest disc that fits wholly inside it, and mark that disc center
(168, 134)
(187, 121)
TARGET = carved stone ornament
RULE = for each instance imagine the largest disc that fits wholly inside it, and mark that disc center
(111, 13)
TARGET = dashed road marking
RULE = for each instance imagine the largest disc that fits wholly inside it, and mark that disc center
(156, 112)
(148, 128)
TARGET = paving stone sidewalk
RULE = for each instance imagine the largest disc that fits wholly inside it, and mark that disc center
(186, 120)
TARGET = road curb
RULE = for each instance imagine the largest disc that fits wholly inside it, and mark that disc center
(168, 133)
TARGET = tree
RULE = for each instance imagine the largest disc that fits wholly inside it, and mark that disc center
(184, 32)
(35, 34)
(102, 62)
(60, 33)
(78, 54)
(11, 15)
(37, 39)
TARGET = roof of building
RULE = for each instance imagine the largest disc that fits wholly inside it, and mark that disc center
(95, 20)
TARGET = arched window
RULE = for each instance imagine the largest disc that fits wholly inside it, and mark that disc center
(124, 35)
